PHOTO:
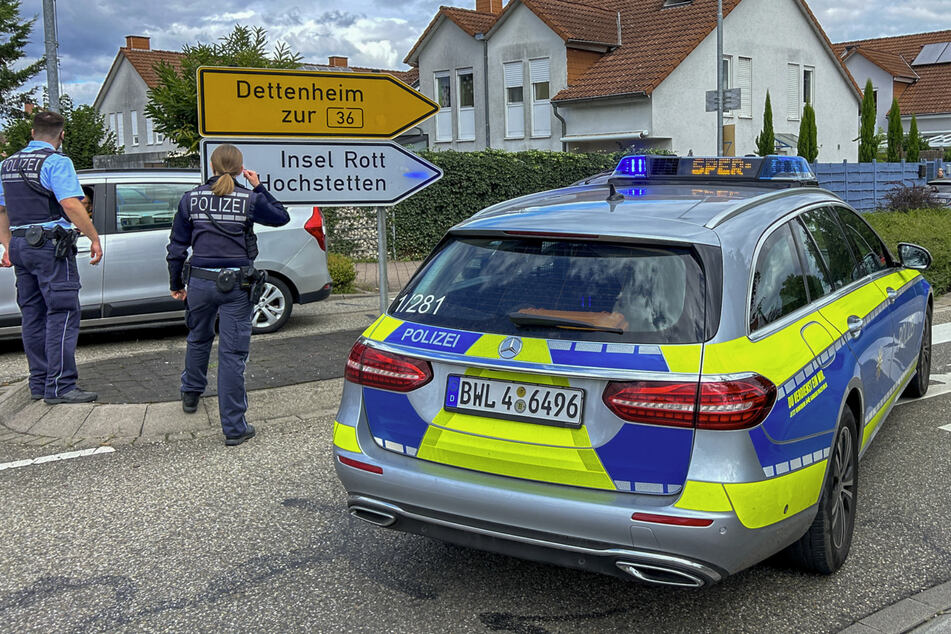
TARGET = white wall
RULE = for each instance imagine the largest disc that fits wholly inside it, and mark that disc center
(930, 124)
(607, 116)
(882, 81)
(523, 36)
(773, 33)
(128, 93)
(450, 49)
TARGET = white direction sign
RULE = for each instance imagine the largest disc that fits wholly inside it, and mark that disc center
(330, 173)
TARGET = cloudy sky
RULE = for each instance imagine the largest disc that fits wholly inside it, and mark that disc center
(375, 33)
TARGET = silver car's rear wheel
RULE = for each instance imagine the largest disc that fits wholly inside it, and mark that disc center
(273, 309)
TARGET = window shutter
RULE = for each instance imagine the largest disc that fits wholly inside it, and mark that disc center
(744, 81)
(513, 74)
(792, 91)
(538, 70)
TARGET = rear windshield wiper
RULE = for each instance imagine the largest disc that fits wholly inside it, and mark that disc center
(524, 319)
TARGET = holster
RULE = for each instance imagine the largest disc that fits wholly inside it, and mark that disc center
(64, 241)
(254, 280)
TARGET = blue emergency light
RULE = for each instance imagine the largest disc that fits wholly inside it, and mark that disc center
(775, 169)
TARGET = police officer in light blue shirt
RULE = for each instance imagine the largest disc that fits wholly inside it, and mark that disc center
(39, 198)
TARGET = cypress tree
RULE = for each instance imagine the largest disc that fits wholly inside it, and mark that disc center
(766, 141)
(895, 133)
(867, 146)
(808, 146)
(913, 147)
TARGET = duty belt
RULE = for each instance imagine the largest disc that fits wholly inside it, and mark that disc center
(63, 239)
(247, 277)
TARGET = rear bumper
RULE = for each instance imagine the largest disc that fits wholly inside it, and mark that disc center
(317, 296)
(568, 526)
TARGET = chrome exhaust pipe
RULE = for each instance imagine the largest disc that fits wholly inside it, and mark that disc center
(373, 516)
(663, 576)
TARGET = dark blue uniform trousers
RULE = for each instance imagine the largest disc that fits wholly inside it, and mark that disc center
(48, 297)
(233, 310)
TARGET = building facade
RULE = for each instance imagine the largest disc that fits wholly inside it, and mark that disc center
(554, 74)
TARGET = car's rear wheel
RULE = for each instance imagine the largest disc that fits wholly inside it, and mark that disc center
(919, 383)
(273, 309)
(826, 544)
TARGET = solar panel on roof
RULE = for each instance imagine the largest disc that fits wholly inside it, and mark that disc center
(945, 57)
(930, 53)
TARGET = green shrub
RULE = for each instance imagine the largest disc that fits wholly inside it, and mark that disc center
(342, 272)
(947, 155)
(475, 180)
(930, 228)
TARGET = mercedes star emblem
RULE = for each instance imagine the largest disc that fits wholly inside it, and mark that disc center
(510, 347)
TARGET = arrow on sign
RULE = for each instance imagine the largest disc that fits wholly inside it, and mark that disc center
(241, 102)
(331, 174)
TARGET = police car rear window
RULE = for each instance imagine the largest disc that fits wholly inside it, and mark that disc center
(560, 289)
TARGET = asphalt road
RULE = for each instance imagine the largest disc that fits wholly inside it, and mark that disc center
(193, 536)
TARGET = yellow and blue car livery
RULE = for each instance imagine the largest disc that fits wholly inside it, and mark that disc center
(693, 451)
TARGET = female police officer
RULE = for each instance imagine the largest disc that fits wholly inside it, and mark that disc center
(217, 221)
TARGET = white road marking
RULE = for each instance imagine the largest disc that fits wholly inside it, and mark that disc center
(939, 386)
(58, 456)
(940, 333)
(945, 427)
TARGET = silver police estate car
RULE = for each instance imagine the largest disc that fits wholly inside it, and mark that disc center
(668, 376)
(133, 211)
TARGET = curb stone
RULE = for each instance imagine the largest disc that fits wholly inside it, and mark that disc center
(919, 613)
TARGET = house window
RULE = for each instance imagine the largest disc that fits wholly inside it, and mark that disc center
(149, 131)
(744, 81)
(808, 85)
(466, 118)
(135, 127)
(540, 76)
(120, 138)
(793, 92)
(727, 79)
(514, 101)
(444, 116)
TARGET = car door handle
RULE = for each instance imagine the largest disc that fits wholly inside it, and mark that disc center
(855, 325)
(892, 293)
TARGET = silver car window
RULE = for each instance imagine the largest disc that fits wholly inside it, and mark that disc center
(147, 206)
(778, 285)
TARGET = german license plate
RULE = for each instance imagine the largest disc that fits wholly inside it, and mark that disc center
(511, 400)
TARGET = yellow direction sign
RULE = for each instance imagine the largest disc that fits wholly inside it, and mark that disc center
(251, 102)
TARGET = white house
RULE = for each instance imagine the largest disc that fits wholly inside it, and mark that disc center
(559, 74)
(915, 69)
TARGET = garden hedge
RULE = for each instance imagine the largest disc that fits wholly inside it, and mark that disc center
(475, 180)
(931, 228)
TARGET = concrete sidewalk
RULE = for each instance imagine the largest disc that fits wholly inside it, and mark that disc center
(57, 427)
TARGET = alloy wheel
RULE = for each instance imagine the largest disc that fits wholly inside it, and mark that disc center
(843, 488)
(270, 308)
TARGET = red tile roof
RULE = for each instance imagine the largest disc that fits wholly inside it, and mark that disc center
(889, 62)
(144, 62)
(931, 93)
(655, 39)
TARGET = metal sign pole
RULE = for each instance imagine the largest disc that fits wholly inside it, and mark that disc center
(720, 77)
(381, 254)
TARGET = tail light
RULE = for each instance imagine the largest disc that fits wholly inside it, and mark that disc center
(315, 227)
(736, 404)
(671, 520)
(375, 368)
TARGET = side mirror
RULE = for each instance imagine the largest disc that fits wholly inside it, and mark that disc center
(913, 256)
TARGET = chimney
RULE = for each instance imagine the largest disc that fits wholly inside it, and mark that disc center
(137, 42)
(338, 61)
(489, 6)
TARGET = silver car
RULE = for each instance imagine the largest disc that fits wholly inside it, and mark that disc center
(668, 376)
(133, 211)
(941, 190)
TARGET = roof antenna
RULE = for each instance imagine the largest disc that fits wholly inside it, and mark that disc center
(613, 195)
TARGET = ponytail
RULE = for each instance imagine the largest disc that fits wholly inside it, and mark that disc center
(223, 186)
(226, 161)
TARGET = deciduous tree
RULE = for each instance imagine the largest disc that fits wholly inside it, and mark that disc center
(173, 102)
(14, 36)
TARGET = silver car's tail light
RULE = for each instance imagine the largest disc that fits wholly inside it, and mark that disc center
(734, 404)
(315, 227)
(385, 370)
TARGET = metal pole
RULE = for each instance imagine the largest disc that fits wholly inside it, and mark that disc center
(381, 231)
(719, 77)
(52, 62)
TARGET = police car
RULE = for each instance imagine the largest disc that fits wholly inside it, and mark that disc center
(668, 376)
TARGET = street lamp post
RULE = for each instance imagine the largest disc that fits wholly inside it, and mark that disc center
(52, 66)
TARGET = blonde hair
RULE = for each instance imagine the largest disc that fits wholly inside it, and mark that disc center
(227, 163)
